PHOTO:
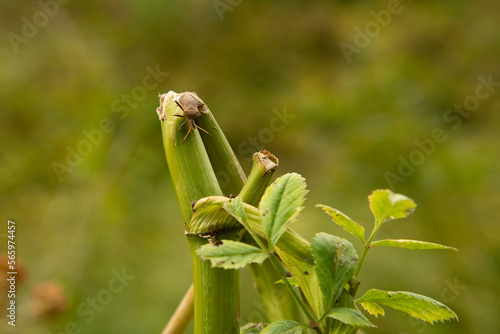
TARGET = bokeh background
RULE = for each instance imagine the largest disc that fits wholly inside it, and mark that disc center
(76, 76)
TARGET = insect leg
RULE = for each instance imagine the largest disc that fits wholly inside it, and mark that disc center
(179, 105)
(187, 134)
(180, 127)
(199, 127)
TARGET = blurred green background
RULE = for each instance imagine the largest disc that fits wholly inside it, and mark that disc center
(77, 76)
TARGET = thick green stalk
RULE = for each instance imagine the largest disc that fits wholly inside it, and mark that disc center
(216, 291)
(216, 302)
(188, 162)
(276, 299)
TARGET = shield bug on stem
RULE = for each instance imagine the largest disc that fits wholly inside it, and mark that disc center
(192, 107)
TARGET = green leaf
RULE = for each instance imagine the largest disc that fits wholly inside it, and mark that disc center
(373, 309)
(387, 205)
(417, 306)
(252, 328)
(335, 261)
(232, 254)
(285, 327)
(350, 317)
(409, 244)
(345, 222)
(281, 203)
(291, 280)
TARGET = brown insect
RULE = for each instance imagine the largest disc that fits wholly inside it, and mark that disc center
(190, 105)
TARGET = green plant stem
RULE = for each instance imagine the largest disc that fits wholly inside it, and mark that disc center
(263, 168)
(231, 179)
(213, 299)
(216, 291)
(188, 163)
(366, 247)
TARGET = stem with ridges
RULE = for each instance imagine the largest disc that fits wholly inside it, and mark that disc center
(277, 301)
(216, 305)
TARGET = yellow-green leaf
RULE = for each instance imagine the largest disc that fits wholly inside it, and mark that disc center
(345, 222)
(410, 244)
(373, 309)
(291, 280)
(387, 205)
(415, 305)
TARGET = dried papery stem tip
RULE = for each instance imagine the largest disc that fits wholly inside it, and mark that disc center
(267, 159)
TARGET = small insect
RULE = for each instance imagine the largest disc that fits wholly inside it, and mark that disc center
(190, 105)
